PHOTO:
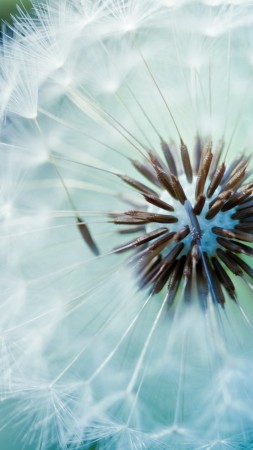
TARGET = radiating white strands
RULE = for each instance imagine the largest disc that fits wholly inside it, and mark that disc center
(86, 357)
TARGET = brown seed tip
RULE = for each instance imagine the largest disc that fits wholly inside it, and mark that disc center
(186, 161)
(87, 236)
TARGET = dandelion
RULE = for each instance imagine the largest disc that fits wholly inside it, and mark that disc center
(126, 226)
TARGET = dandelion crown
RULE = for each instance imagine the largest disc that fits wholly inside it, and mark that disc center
(126, 226)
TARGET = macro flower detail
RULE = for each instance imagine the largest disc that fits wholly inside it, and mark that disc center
(126, 226)
(221, 208)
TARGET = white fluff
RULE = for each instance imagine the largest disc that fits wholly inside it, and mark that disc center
(84, 356)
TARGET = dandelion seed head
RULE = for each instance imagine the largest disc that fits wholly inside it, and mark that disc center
(208, 237)
(126, 226)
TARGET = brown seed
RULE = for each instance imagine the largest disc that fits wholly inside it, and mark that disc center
(197, 153)
(247, 226)
(137, 185)
(202, 284)
(165, 269)
(162, 175)
(203, 170)
(243, 163)
(243, 213)
(146, 171)
(168, 262)
(143, 257)
(217, 206)
(156, 161)
(163, 277)
(149, 272)
(245, 205)
(144, 238)
(174, 280)
(224, 278)
(177, 188)
(244, 266)
(234, 234)
(216, 179)
(165, 181)
(216, 158)
(181, 234)
(169, 157)
(235, 246)
(246, 187)
(215, 288)
(142, 217)
(231, 168)
(229, 262)
(186, 161)
(158, 202)
(222, 196)
(84, 230)
(236, 199)
(188, 266)
(235, 180)
(187, 272)
(199, 205)
(246, 220)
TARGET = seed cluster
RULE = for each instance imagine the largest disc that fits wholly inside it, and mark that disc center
(176, 254)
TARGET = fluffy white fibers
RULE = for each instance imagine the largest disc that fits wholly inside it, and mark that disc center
(87, 358)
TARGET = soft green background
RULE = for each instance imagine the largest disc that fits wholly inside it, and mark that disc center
(8, 7)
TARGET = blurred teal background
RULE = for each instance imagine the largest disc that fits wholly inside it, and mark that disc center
(7, 8)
